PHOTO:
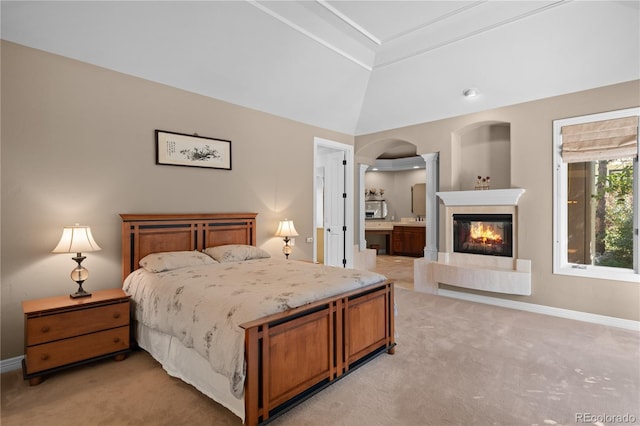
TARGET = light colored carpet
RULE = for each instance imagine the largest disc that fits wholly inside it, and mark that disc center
(457, 363)
(461, 363)
(397, 268)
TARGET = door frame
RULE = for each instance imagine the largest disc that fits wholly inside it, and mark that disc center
(318, 145)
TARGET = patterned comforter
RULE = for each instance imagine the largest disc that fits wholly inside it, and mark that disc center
(203, 306)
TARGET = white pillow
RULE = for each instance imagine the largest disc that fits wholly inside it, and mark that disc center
(167, 261)
(236, 253)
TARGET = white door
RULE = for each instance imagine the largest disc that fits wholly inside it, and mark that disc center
(329, 201)
(334, 209)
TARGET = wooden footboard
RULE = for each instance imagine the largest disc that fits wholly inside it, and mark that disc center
(292, 355)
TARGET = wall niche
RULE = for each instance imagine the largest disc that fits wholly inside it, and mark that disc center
(482, 150)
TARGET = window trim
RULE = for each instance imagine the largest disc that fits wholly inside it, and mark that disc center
(561, 265)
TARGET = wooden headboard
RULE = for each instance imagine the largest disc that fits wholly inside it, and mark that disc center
(152, 233)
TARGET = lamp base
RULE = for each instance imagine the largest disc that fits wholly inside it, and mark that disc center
(286, 249)
(80, 292)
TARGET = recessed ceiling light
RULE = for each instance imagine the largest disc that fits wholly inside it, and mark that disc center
(471, 93)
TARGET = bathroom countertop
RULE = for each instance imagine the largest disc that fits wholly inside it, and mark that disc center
(381, 225)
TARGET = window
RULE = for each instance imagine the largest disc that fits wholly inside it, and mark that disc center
(596, 195)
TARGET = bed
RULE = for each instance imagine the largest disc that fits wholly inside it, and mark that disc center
(292, 343)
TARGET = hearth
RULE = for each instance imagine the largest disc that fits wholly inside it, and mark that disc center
(486, 234)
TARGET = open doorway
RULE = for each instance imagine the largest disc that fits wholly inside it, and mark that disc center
(391, 153)
(390, 175)
(333, 214)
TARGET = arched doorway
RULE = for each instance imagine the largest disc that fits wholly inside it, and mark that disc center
(398, 156)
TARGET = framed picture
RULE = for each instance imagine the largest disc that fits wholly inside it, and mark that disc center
(179, 149)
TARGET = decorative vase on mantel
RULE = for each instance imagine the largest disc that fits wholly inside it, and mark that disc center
(483, 183)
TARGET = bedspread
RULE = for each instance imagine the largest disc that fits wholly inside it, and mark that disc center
(203, 306)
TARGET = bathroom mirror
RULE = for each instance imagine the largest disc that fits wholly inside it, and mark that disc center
(419, 199)
(375, 209)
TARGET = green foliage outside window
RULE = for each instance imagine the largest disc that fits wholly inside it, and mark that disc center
(615, 193)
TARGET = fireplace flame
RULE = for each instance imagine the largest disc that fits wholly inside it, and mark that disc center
(485, 233)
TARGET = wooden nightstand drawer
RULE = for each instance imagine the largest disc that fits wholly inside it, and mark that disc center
(62, 352)
(53, 327)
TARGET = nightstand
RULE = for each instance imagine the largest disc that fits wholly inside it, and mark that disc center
(61, 332)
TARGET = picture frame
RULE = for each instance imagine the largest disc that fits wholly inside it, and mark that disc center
(181, 149)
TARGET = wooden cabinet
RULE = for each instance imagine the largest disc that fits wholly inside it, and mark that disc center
(61, 332)
(408, 240)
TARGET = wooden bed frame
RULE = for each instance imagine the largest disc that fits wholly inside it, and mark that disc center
(290, 355)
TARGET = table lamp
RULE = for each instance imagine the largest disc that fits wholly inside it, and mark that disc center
(286, 230)
(77, 239)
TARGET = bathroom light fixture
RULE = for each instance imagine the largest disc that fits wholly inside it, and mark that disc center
(471, 92)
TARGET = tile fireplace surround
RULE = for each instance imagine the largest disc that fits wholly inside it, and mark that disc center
(499, 274)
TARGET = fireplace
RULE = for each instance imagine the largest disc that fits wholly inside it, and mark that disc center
(483, 263)
(486, 234)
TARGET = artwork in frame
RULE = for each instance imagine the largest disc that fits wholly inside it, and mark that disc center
(179, 149)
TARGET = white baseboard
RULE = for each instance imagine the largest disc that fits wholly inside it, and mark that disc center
(546, 310)
(11, 364)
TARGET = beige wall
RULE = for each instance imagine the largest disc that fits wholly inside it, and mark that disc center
(78, 146)
(531, 168)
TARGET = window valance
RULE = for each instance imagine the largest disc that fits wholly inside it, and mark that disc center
(600, 140)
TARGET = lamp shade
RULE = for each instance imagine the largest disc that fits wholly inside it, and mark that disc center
(286, 229)
(76, 239)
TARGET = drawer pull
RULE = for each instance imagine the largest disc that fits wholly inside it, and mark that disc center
(116, 340)
(44, 357)
(116, 315)
(45, 329)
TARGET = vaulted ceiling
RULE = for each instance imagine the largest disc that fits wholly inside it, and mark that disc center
(352, 66)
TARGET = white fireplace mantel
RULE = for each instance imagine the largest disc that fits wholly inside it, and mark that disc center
(491, 197)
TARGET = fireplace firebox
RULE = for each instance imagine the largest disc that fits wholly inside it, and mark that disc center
(486, 234)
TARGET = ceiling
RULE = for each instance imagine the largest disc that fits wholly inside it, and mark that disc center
(352, 66)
